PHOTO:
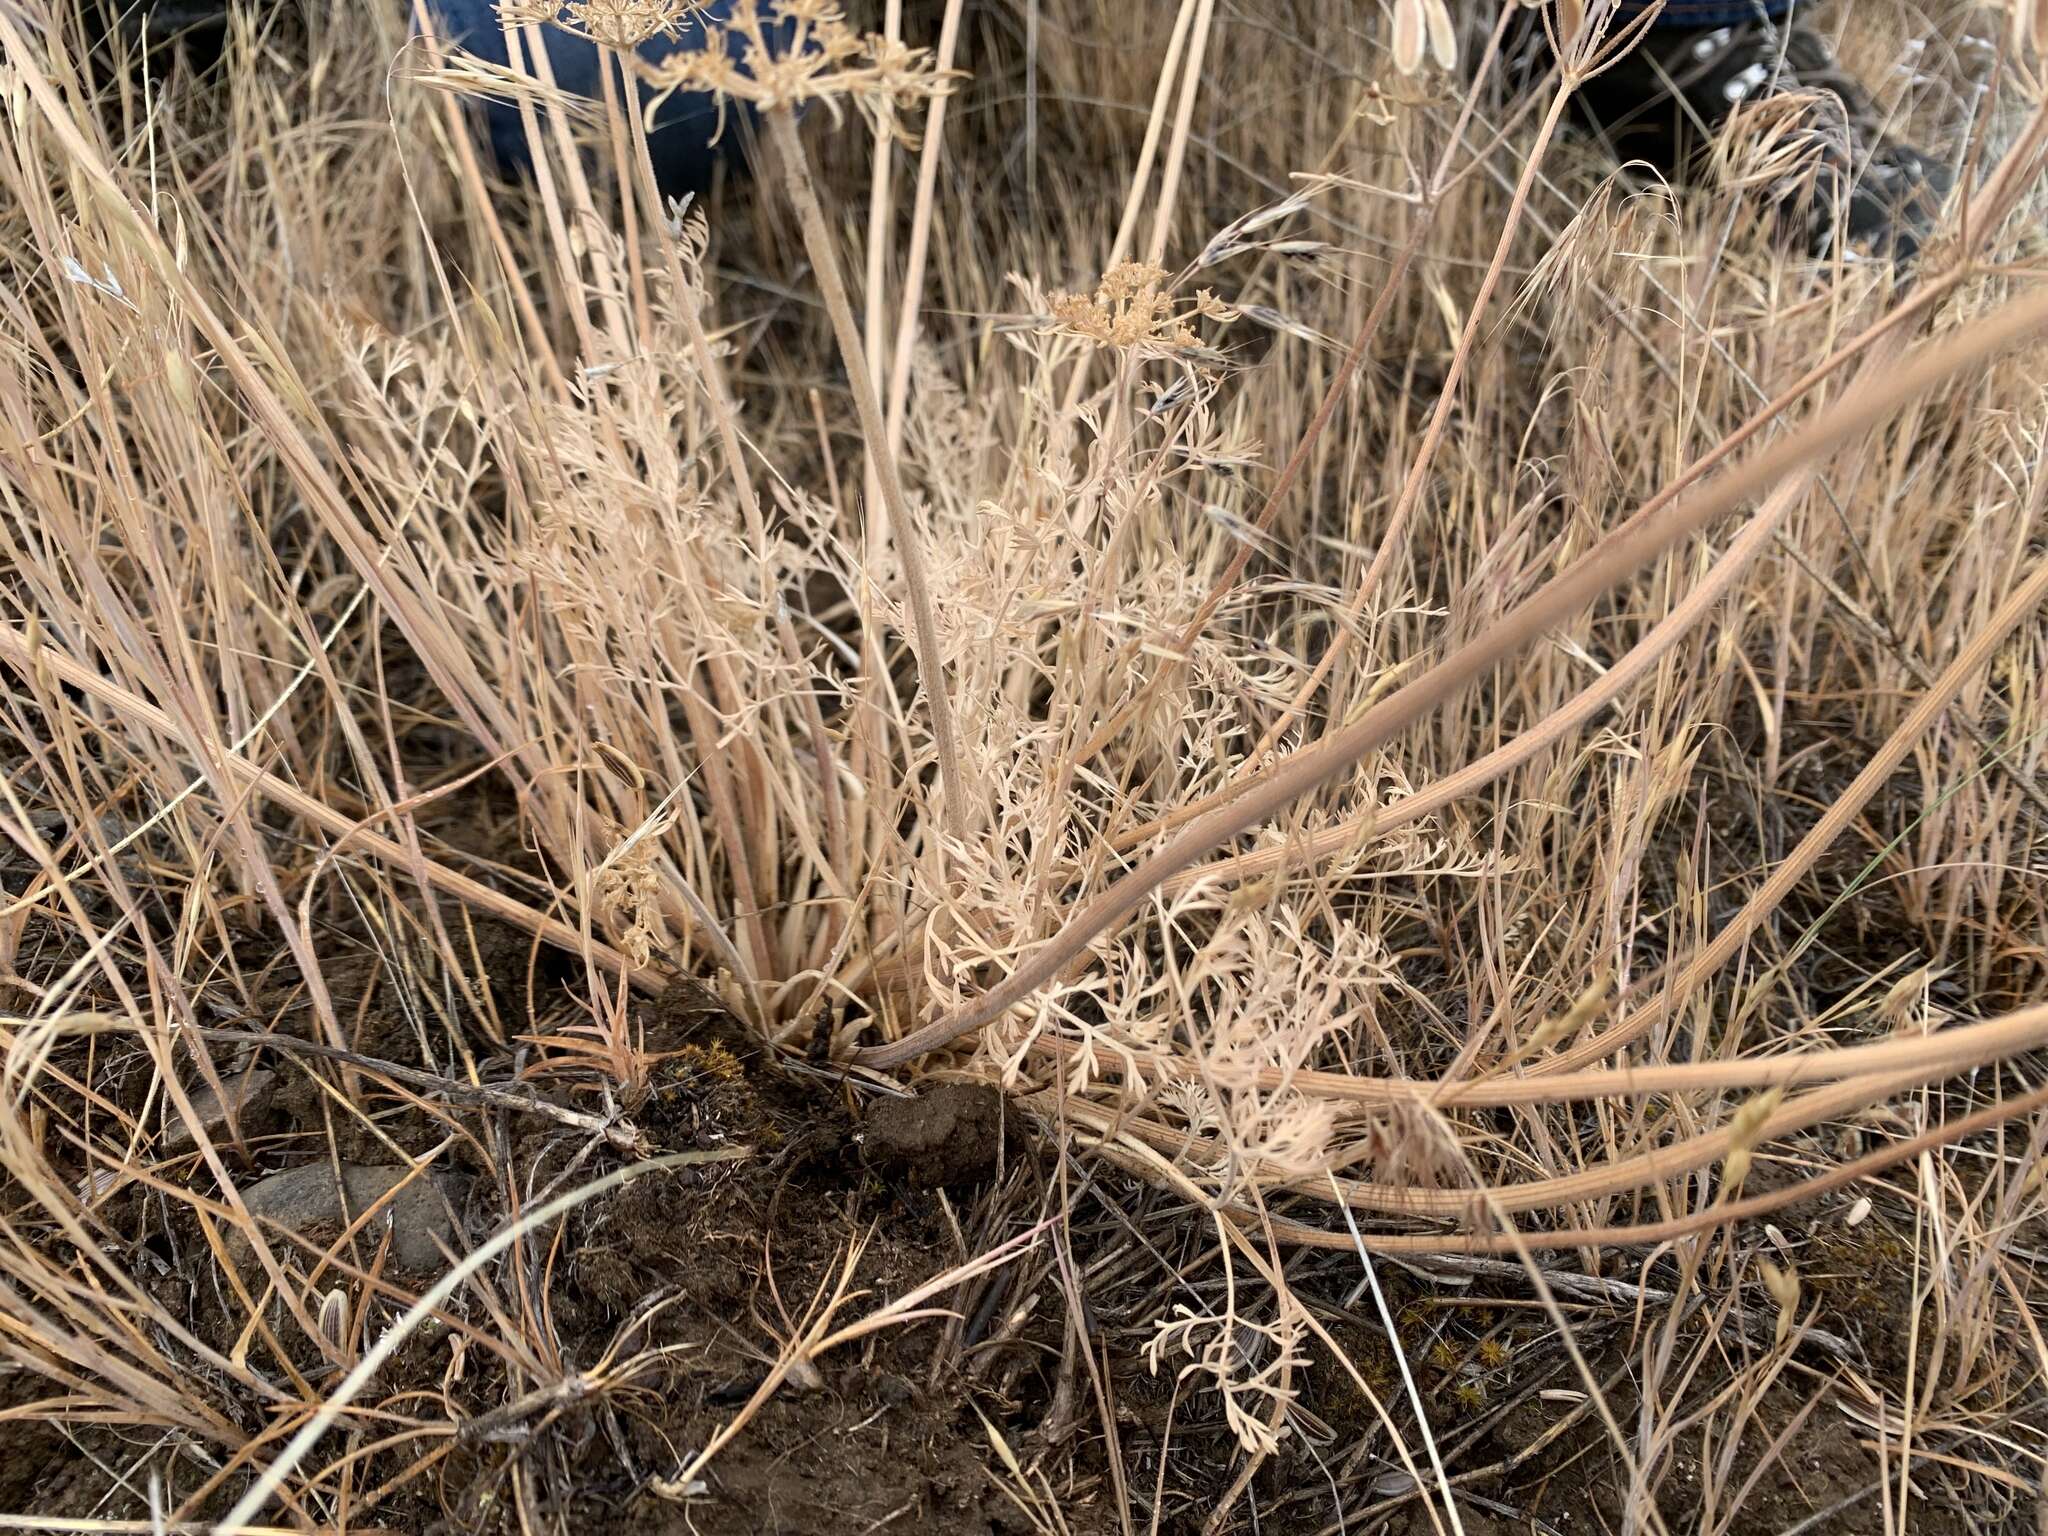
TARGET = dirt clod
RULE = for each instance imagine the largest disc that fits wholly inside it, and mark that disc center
(246, 1091)
(949, 1134)
(311, 1200)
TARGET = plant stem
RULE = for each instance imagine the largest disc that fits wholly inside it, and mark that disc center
(803, 196)
(689, 305)
(1610, 560)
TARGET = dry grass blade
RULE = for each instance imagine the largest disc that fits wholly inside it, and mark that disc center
(1388, 662)
(1870, 403)
(336, 1402)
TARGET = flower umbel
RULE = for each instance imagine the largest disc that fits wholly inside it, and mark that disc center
(626, 24)
(798, 51)
(1132, 310)
(621, 24)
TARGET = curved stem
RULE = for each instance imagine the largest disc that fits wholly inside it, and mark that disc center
(1610, 561)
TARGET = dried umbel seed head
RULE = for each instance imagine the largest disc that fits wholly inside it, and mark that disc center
(626, 24)
(801, 51)
(620, 24)
(1132, 310)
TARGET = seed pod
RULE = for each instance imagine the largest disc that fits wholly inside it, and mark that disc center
(1408, 27)
(1783, 1284)
(1571, 21)
(1744, 1131)
(178, 379)
(334, 1319)
(1443, 38)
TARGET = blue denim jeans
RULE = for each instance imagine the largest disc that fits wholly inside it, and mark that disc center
(1708, 13)
(680, 141)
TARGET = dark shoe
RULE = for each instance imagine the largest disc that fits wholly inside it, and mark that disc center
(1835, 164)
(156, 30)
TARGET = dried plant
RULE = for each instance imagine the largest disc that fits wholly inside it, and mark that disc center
(1420, 23)
(1505, 728)
(1249, 1364)
(795, 52)
(620, 24)
(1129, 312)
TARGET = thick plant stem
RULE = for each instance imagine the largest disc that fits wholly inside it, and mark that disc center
(931, 671)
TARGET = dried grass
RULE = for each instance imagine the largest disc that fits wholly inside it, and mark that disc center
(1497, 782)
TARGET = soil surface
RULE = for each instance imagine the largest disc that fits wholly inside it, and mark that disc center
(654, 1312)
(665, 1299)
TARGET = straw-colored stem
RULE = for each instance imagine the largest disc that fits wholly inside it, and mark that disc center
(920, 235)
(803, 197)
(1610, 561)
(726, 420)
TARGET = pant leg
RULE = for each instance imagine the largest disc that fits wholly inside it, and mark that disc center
(679, 140)
(1706, 13)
